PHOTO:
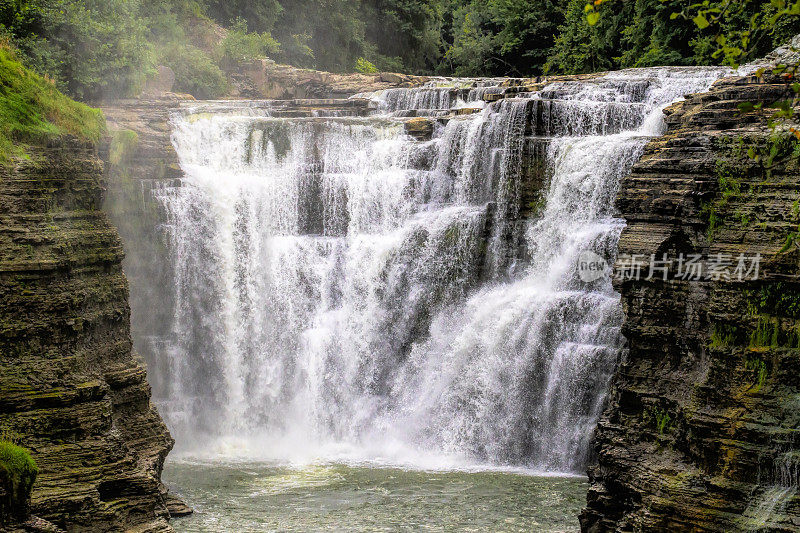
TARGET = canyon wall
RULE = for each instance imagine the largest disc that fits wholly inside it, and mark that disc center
(74, 392)
(701, 428)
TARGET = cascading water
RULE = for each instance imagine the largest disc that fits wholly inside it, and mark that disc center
(346, 292)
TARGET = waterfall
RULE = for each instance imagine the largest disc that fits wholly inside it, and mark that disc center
(344, 291)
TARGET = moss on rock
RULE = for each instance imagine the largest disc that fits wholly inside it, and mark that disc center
(18, 472)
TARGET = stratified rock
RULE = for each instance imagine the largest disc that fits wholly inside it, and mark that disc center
(264, 78)
(701, 430)
(39, 525)
(177, 507)
(421, 128)
(72, 388)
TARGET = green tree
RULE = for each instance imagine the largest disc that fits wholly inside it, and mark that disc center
(582, 47)
(502, 37)
(335, 27)
(405, 34)
(260, 15)
(90, 47)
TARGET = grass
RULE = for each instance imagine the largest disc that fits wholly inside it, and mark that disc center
(17, 459)
(32, 110)
(17, 467)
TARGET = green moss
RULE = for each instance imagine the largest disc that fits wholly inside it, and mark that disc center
(758, 367)
(32, 110)
(123, 146)
(659, 419)
(723, 335)
(17, 459)
(18, 472)
(537, 206)
(766, 333)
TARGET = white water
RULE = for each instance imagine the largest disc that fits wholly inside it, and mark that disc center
(344, 292)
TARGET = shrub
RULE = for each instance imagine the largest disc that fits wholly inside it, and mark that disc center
(365, 67)
(195, 72)
(296, 51)
(33, 110)
(240, 46)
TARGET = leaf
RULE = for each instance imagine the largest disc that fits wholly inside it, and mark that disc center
(673, 16)
(701, 21)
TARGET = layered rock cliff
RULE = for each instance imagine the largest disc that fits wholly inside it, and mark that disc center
(74, 392)
(702, 428)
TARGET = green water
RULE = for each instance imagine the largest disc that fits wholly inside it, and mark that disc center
(244, 497)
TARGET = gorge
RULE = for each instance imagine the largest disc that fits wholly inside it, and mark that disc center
(363, 308)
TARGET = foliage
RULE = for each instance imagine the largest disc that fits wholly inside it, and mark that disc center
(239, 46)
(405, 34)
(90, 47)
(502, 37)
(581, 47)
(195, 72)
(336, 30)
(261, 15)
(758, 367)
(610, 34)
(659, 419)
(723, 335)
(294, 49)
(33, 110)
(365, 67)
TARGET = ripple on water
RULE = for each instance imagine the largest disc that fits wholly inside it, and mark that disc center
(247, 497)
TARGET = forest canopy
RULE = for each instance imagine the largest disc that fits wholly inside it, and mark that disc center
(92, 48)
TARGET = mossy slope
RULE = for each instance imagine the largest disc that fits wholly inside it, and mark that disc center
(32, 110)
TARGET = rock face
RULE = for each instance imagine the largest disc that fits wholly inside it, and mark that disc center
(702, 428)
(266, 79)
(73, 390)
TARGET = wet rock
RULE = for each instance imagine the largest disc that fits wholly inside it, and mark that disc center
(176, 506)
(421, 128)
(39, 525)
(73, 390)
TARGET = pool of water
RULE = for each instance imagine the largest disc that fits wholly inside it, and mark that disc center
(249, 497)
